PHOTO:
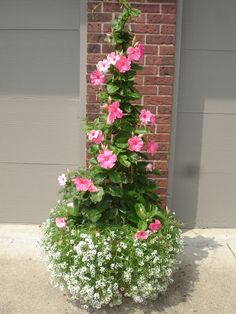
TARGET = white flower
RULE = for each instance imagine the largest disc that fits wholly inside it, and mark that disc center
(62, 180)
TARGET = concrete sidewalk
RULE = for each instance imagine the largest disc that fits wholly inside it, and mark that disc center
(205, 282)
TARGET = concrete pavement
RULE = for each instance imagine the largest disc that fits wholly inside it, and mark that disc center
(205, 282)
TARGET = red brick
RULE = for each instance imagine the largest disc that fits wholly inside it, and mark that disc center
(160, 39)
(168, 8)
(167, 70)
(106, 48)
(163, 147)
(168, 29)
(159, 60)
(91, 58)
(148, 71)
(94, 6)
(163, 119)
(91, 98)
(147, 90)
(95, 37)
(165, 109)
(94, 27)
(145, 28)
(93, 48)
(161, 165)
(167, 50)
(163, 128)
(111, 7)
(106, 27)
(156, 80)
(161, 18)
(150, 50)
(157, 100)
(99, 17)
(148, 8)
(162, 182)
(139, 80)
(93, 108)
(165, 90)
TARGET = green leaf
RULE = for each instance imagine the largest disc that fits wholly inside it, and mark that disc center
(94, 215)
(123, 159)
(97, 196)
(73, 211)
(115, 190)
(134, 95)
(112, 88)
(142, 131)
(140, 210)
(133, 219)
(115, 177)
(142, 225)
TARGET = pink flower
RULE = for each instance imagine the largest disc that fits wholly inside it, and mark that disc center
(60, 222)
(62, 180)
(141, 235)
(96, 136)
(152, 119)
(83, 184)
(152, 147)
(123, 64)
(103, 66)
(149, 167)
(107, 159)
(93, 188)
(114, 112)
(112, 58)
(135, 53)
(135, 144)
(155, 226)
(97, 78)
(146, 116)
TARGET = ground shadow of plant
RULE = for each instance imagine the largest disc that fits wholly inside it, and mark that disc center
(196, 249)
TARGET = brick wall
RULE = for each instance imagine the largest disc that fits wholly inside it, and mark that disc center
(156, 29)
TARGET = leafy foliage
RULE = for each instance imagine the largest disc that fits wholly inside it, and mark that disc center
(126, 186)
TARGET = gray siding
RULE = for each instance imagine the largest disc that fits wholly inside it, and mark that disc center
(204, 165)
(40, 103)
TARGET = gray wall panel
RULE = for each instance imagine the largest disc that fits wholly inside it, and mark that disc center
(40, 130)
(28, 191)
(204, 176)
(39, 14)
(209, 24)
(210, 84)
(39, 63)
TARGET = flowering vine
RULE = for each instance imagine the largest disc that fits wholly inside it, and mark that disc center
(116, 188)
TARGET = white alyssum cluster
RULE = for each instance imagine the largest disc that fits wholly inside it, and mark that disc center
(98, 269)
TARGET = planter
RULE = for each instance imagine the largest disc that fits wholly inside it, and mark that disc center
(99, 266)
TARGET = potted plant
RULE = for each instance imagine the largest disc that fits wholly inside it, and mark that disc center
(108, 237)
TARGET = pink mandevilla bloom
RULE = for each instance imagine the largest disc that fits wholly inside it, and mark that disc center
(155, 226)
(103, 66)
(60, 222)
(114, 112)
(152, 147)
(96, 136)
(135, 53)
(135, 144)
(97, 78)
(107, 159)
(123, 64)
(141, 235)
(62, 180)
(112, 58)
(149, 167)
(146, 116)
(83, 184)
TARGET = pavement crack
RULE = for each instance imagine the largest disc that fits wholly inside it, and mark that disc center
(231, 250)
